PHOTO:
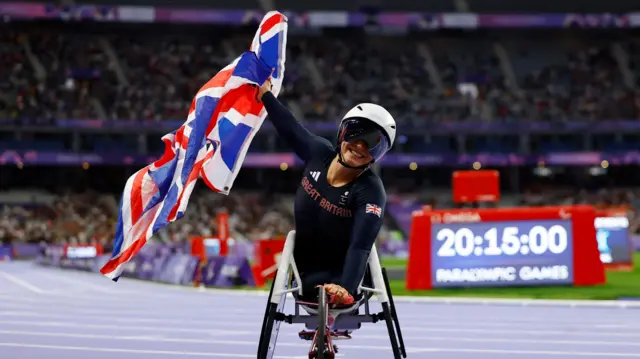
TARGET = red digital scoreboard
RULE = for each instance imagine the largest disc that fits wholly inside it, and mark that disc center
(535, 246)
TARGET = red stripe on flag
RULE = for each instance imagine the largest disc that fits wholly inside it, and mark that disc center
(136, 196)
(270, 23)
(241, 99)
(210, 185)
(167, 156)
(179, 134)
(184, 144)
(126, 255)
(219, 80)
(193, 175)
(193, 106)
(130, 252)
(246, 103)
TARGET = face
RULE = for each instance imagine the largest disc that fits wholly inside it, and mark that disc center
(356, 153)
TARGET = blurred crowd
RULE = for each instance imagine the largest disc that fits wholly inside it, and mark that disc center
(91, 217)
(84, 71)
(623, 199)
(153, 73)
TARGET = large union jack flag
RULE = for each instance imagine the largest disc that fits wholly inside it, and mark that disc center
(212, 144)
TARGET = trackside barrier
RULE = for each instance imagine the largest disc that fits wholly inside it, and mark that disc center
(161, 264)
(6, 252)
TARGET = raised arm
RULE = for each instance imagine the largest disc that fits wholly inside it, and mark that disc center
(303, 142)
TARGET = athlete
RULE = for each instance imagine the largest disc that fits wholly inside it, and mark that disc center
(340, 203)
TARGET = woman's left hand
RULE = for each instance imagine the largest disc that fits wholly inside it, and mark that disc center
(266, 87)
(340, 295)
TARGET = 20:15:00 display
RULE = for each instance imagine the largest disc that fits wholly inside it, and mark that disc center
(537, 241)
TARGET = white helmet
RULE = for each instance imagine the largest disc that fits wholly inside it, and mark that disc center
(371, 123)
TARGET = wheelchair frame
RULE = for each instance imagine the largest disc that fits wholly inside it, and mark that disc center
(326, 322)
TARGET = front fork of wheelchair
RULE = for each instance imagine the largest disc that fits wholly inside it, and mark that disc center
(394, 314)
(322, 346)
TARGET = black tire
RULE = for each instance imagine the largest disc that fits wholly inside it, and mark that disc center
(267, 324)
(321, 340)
(392, 334)
(394, 314)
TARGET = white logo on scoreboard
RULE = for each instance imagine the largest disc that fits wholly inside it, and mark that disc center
(462, 217)
(502, 274)
(612, 222)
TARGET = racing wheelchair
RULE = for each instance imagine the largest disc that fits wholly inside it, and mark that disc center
(325, 321)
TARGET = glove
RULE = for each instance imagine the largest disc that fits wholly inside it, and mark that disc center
(338, 295)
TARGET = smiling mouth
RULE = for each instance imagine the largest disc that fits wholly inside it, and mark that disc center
(356, 154)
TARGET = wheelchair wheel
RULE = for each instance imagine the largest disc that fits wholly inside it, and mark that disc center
(321, 338)
(394, 314)
(392, 334)
(267, 324)
(270, 327)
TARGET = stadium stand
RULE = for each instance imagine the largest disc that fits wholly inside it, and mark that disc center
(151, 73)
(112, 72)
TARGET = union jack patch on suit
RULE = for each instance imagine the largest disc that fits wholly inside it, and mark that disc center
(372, 208)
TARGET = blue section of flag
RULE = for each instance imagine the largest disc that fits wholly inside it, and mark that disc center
(252, 68)
(117, 245)
(233, 137)
(269, 52)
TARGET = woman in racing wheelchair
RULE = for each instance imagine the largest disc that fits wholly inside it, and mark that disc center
(339, 204)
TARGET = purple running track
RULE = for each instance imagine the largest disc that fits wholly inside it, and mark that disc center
(52, 313)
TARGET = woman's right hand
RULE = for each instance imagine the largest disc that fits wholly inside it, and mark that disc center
(266, 87)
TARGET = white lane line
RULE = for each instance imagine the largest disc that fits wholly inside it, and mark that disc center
(633, 343)
(204, 309)
(613, 304)
(535, 352)
(20, 315)
(565, 333)
(135, 351)
(223, 305)
(160, 339)
(83, 284)
(117, 294)
(620, 304)
(12, 299)
(106, 317)
(107, 298)
(127, 327)
(109, 311)
(231, 355)
(22, 283)
(251, 321)
(385, 336)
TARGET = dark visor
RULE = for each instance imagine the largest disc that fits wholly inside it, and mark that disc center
(353, 130)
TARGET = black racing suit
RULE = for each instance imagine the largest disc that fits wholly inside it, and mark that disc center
(336, 227)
